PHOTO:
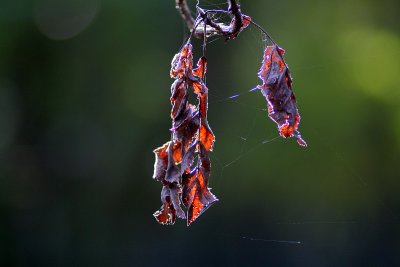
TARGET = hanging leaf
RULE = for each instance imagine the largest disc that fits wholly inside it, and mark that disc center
(160, 166)
(201, 69)
(182, 63)
(277, 89)
(171, 205)
(178, 98)
(196, 195)
(206, 136)
(188, 159)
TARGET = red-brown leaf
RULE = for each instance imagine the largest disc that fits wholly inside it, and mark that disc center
(171, 206)
(187, 129)
(201, 69)
(246, 21)
(276, 88)
(203, 104)
(166, 214)
(178, 98)
(196, 195)
(206, 137)
(197, 88)
(177, 152)
(182, 63)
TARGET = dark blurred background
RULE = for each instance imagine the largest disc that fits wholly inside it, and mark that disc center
(84, 100)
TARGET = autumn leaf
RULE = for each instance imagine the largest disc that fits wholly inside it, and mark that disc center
(196, 195)
(277, 89)
(171, 207)
(160, 166)
(201, 69)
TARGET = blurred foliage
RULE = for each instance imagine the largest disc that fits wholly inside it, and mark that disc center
(84, 99)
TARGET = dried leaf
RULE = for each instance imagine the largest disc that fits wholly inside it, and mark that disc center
(187, 130)
(198, 88)
(203, 99)
(160, 166)
(173, 172)
(177, 152)
(201, 69)
(178, 98)
(205, 163)
(196, 195)
(171, 205)
(188, 159)
(206, 136)
(184, 117)
(276, 88)
(182, 63)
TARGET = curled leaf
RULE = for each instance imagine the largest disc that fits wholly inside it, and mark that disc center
(188, 159)
(160, 166)
(199, 88)
(177, 152)
(201, 69)
(277, 89)
(178, 98)
(187, 130)
(184, 117)
(203, 99)
(196, 195)
(173, 173)
(171, 206)
(182, 63)
(206, 136)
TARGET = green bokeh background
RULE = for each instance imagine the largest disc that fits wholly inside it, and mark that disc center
(84, 99)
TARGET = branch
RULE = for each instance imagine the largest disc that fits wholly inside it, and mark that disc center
(184, 9)
(212, 27)
(234, 8)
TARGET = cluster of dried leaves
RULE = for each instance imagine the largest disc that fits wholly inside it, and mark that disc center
(185, 178)
(182, 165)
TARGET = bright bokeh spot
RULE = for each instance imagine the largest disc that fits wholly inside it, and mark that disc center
(372, 59)
(62, 19)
